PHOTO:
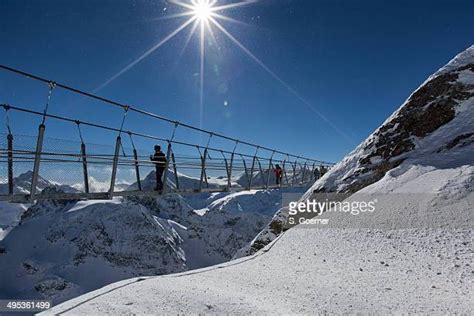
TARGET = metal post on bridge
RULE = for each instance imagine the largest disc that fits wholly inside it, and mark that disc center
(253, 168)
(203, 163)
(135, 162)
(284, 170)
(10, 151)
(36, 166)
(10, 163)
(294, 172)
(84, 159)
(313, 177)
(175, 170)
(165, 174)
(170, 155)
(270, 167)
(39, 144)
(118, 143)
(245, 167)
(304, 173)
(262, 174)
(229, 172)
(84, 167)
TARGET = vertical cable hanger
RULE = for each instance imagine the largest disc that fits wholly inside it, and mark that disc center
(126, 108)
(78, 124)
(51, 86)
(7, 118)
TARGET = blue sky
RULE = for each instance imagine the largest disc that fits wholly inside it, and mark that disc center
(354, 62)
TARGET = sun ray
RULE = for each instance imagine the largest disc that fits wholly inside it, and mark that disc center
(226, 18)
(188, 38)
(281, 81)
(171, 16)
(233, 5)
(182, 4)
(201, 94)
(211, 33)
(144, 55)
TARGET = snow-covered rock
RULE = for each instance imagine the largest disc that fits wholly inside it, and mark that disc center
(433, 127)
(61, 249)
(64, 248)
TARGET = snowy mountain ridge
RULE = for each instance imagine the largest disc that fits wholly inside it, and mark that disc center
(433, 127)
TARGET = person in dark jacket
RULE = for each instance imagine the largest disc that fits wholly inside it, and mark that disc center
(159, 159)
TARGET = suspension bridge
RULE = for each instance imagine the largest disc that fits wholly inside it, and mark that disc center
(29, 163)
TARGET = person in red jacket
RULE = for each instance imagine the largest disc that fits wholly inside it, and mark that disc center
(278, 174)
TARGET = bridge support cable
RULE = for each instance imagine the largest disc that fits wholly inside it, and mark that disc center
(245, 168)
(253, 168)
(203, 163)
(118, 144)
(285, 175)
(84, 159)
(169, 149)
(227, 170)
(303, 173)
(51, 86)
(270, 168)
(9, 151)
(293, 166)
(175, 170)
(262, 174)
(39, 142)
(170, 155)
(36, 166)
(118, 147)
(229, 173)
(135, 162)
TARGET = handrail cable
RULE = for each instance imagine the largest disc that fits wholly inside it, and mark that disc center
(135, 109)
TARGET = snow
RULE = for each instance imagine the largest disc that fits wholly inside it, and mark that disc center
(10, 214)
(339, 270)
(61, 249)
(411, 255)
(86, 203)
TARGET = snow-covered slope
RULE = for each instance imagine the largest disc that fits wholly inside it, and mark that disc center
(379, 269)
(22, 184)
(434, 127)
(10, 213)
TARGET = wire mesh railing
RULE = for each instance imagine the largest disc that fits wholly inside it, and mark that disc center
(86, 170)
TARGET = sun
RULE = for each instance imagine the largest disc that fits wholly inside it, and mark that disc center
(202, 10)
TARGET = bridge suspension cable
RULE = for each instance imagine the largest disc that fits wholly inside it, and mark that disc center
(53, 84)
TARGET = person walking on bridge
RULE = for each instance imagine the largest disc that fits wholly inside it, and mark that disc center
(159, 159)
(278, 174)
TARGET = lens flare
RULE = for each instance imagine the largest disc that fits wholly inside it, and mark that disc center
(202, 10)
